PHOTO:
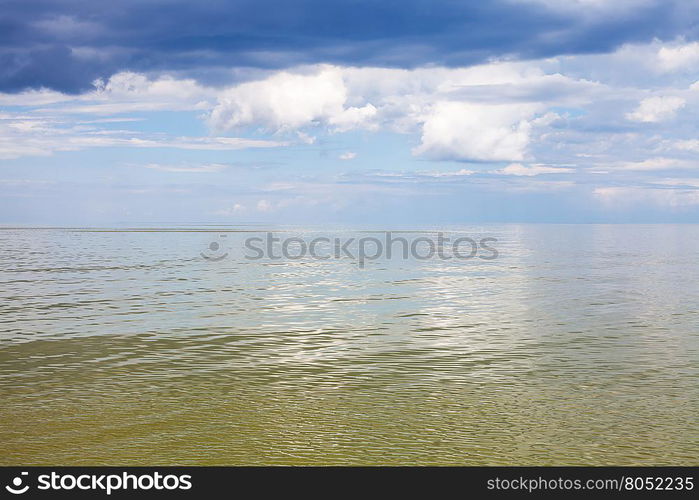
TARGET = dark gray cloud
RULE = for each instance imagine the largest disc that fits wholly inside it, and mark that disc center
(66, 44)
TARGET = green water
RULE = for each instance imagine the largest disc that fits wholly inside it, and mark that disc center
(578, 345)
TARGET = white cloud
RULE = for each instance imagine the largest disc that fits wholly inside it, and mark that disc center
(652, 164)
(346, 98)
(264, 206)
(544, 111)
(236, 209)
(123, 92)
(687, 145)
(404, 101)
(532, 170)
(128, 92)
(681, 57)
(354, 117)
(204, 168)
(112, 120)
(529, 185)
(204, 143)
(22, 135)
(459, 173)
(481, 132)
(656, 109)
(684, 182)
(306, 138)
(589, 5)
(349, 155)
(41, 97)
(628, 196)
(288, 101)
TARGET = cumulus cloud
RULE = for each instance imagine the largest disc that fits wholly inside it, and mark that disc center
(656, 109)
(288, 101)
(354, 117)
(680, 57)
(455, 109)
(479, 132)
(349, 155)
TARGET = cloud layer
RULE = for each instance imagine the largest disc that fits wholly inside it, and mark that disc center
(67, 44)
(583, 110)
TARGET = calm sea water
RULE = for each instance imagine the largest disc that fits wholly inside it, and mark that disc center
(578, 345)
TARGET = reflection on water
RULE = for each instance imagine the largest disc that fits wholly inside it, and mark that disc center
(578, 345)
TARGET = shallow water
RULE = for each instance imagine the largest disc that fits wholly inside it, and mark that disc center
(577, 345)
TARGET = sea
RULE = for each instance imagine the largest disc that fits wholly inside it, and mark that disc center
(561, 345)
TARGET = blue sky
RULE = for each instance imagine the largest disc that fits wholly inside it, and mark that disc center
(361, 112)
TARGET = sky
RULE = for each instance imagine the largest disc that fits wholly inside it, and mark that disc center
(411, 112)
